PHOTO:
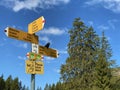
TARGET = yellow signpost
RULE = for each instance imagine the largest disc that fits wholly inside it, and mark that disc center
(36, 25)
(30, 67)
(39, 67)
(21, 35)
(48, 52)
(34, 67)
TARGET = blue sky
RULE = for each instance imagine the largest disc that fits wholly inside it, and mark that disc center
(59, 16)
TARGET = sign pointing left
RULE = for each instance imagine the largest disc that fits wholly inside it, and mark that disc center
(21, 35)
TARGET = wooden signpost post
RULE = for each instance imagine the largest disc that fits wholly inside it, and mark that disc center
(34, 65)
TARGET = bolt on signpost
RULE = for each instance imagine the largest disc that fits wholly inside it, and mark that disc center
(34, 64)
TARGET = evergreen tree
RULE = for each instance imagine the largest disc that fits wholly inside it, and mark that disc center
(39, 88)
(2, 83)
(23, 88)
(77, 73)
(47, 87)
(58, 86)
(15, 84)
(8, 83)
(103, 71)
(52, 87)
(20, 85)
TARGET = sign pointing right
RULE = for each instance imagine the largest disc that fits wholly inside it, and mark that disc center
(36, 25)
(48, 52)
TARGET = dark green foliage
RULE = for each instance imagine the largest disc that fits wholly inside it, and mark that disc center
(2, 83)
(77, 73)
(15, 84)
(88, 66)
(11, 84)
(8, 83)
(103, 73)
(47, 87)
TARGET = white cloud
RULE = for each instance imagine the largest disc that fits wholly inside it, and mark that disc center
(17, 5)
(103, 27)
(113, 5)
(62, 51)
(21, 58)
(112, 23)
(23, 45)
(45, 39)
(90, 23)
(53, 31)
(56, 70)
(49, 58)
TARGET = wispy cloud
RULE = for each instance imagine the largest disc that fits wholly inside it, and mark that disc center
(45, 39)
(113, 5)
(48, 59)
(53, 31)
(17, 5)
(23, 45)
(62, 51)
(56, 70)
(110, 25)
(103, 27)
(90, 23)
(21, 58)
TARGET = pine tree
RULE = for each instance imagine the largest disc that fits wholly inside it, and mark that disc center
(103, 71)
(77, 73)
(20, 85)
(2, 83)
(52, 87)
(24, 87)
(8, 83)
(15, 84)
(39, 88)
(47, 87)
(58, 86)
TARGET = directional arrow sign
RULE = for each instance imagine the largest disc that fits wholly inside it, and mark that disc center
(36, 25)
(48, 52)
(33, 67)
(30, 67)
(39, 67)
(21, 35)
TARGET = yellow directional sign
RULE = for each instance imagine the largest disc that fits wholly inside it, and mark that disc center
(39, 67)
(33, 67)
(36, 25)
(48, 52)
(21, 35)
(30, 69)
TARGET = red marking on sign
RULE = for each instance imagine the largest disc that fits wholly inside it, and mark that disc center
(43, 21)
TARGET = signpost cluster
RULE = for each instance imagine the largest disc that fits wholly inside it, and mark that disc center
(34, 64)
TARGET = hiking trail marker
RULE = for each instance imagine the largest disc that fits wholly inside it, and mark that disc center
(35, 64)
(36, 25)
